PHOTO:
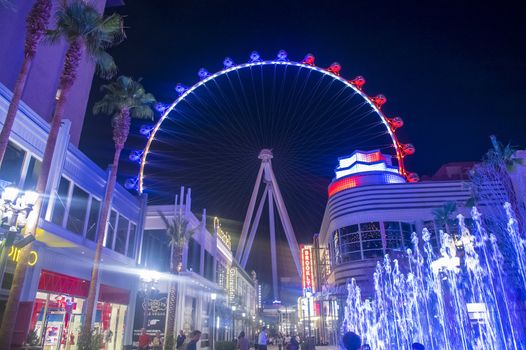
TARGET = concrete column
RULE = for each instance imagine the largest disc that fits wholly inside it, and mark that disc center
(130, 315)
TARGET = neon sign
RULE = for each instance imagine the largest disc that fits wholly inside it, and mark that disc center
(306, 262)
(14, 254)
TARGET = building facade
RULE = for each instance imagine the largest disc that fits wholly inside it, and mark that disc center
(214, 294)
(57, 284)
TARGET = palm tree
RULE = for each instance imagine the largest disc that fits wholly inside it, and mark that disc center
(443, 215)
(36, 23)
(86, 32)
(124, 99)
(178, 233)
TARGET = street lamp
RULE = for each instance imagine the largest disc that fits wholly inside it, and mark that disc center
(149, 279)
(213, 297)
(15, 207)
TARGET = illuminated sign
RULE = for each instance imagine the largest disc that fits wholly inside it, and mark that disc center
(14, 254)
(306, 262)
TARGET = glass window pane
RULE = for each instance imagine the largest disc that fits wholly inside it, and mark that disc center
(77, 210)
(122, 234)
(11, 168)
(61, 199)
(131, 241)
(33, 171)
(93, 219)
(111, 230)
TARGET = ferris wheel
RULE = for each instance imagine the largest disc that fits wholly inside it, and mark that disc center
(257, 66)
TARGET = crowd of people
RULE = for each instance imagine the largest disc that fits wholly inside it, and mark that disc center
(157, 342)
(352, 341)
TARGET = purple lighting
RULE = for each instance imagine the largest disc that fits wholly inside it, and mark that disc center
(228, 63)
(180, 88)
(255, 57)
(282, 56)
(146, 129)
(136, 155)
(203, 73)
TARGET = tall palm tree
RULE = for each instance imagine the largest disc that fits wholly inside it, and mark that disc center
(36, 25)
(87, 33)
(124, 99)
(178, 233)
(443, 215)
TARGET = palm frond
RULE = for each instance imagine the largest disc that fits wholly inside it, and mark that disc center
(105, 64)
(126, 93)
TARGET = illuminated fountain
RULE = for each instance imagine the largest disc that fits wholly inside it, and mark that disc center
(460, 298)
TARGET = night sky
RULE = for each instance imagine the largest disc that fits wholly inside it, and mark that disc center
(454, 72)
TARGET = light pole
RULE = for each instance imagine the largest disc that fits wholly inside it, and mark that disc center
(149, 279)
(15, 206)
(234, 322)
(213, 297)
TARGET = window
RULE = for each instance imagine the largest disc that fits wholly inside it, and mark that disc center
(93, 219)
(110, 232)
(209, 266)
(77, 210)
(194, 255)
(371, 240)
(131, 241)
(393, 236)
(155, 253)
(33, 170)
(122, 235)
(11, 168)
(407, 232)
(61, 199)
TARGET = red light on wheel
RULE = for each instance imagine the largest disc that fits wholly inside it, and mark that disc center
(309, 59)
(408, 149)
(359, 82)
(379, 101)
(395, 123)
(335, 68)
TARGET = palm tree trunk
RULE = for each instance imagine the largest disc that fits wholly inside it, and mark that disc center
(121, 128)
(177, 258)
(73, 56)
(36, 23)
(13, 106)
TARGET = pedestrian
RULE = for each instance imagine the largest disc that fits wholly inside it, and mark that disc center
(180, 340)
(351, 341)
(144, 340)
(293, 344)
(279, 340)
(262, 339)
(242, 342)
(418, 346)
(194, 338)
(157, 341)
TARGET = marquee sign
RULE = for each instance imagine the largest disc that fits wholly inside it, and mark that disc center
(14, 254)
(306, 266)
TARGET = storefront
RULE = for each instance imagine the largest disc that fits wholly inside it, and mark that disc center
(59, 309)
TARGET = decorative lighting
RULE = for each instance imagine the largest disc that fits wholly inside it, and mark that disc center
(234, 308)
(308, 59)
(160, 107)
(203, 73)
(181, 89)
(255, 57)
(335, 68)
(213, 296)
(146, 130)
(131, 183)
(282, 56)
(136, 155)
(379, 101)
(228, 63)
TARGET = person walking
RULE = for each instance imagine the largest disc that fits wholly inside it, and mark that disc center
(262, 339)
(242, 342)
(293, 344)
(144, 340)
(157, 341)
(180, 340)
(279, 340)
(194, 338)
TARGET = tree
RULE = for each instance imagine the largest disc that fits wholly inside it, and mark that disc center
(443, 215)
(178, 233)
(87, 33)
(36, 25)
(124, 99)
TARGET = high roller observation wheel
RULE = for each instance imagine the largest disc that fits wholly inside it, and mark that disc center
(333, 71)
